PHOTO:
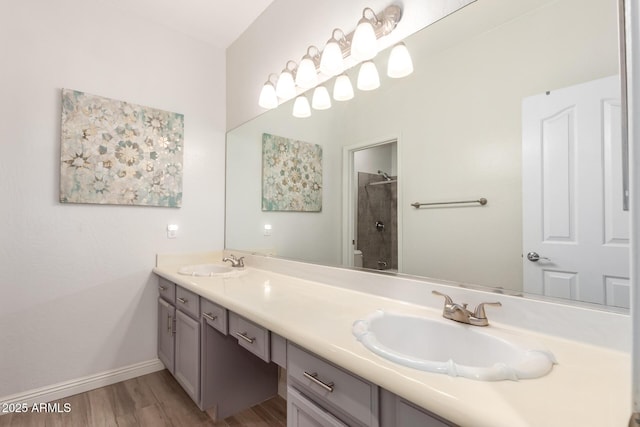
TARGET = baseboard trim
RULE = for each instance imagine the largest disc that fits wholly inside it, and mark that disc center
(80, 385)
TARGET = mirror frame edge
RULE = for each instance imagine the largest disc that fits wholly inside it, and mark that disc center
(630, 40)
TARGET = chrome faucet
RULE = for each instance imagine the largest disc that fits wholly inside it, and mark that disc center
(460, 312)
(235, 262)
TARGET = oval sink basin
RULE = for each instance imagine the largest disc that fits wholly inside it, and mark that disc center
(203, 270)
(444, 346)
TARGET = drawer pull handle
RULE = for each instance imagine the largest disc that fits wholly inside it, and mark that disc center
(169, 329)
(314, 378)
(244, 336)
(162, 288)
(183, 300)
(209, 316)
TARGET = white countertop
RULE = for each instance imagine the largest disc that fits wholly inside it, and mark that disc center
(590, 386)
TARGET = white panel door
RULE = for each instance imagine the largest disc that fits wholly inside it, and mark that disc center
(573, 216)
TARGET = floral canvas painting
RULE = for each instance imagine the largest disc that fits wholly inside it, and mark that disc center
(115, 152)
(291, 175)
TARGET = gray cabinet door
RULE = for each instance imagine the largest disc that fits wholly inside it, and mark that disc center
(166, 318)
(410, 416)
(302, 412)
(187, 363)
(397, 412)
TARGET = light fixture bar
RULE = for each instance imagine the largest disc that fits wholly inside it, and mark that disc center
(303, 76)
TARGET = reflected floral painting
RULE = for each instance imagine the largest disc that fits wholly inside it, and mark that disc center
(291, 175)
(114, 152)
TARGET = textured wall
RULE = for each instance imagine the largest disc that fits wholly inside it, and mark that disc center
(78, 295)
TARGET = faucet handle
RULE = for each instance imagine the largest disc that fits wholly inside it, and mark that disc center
(479, 312)
(447, 298)
(240, 261)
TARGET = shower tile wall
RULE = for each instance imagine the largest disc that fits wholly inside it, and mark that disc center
(377, 203)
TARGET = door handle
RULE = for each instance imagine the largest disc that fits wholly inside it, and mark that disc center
(534, 257)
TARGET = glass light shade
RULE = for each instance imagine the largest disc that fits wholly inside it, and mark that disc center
(400, 63)
(364, 45)
(285, 86)
(368, 78)
(306, 76)
(268, 98)
(342, 89)
(321, 99)
(332, 61)
(301, 108)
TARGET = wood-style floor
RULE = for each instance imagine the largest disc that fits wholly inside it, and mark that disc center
(153, 400)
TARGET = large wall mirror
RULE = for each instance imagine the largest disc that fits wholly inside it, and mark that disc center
(518, 103)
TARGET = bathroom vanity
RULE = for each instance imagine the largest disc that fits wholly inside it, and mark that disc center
(305, 326)
(197, 344)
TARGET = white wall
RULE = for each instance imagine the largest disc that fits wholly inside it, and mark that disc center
(78, 295)
(287, 28)
(373, 159)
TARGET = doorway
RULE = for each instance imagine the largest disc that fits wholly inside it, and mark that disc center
(371, 214)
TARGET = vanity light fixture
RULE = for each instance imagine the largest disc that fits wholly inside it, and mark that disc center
(400, 63)
(364, 45)
(359, 46)
(332, 60)
(307, 76)
(285, 86)
(368, 77)
(342, 88)
(321, 99)
(301, 108)
(268, 98)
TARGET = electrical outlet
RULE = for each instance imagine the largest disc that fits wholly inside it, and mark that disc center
(172, 231)
(267, 229)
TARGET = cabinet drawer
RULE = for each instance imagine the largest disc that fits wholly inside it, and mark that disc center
(250, 336)
(397, 412)
(187, 302)
(167, 290)
(214, 315)
(327, 383)
(408, 415)
(302, 412)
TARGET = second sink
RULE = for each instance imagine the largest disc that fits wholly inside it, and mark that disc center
(202, 270)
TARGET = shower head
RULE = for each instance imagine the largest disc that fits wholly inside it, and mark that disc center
(385, 175)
